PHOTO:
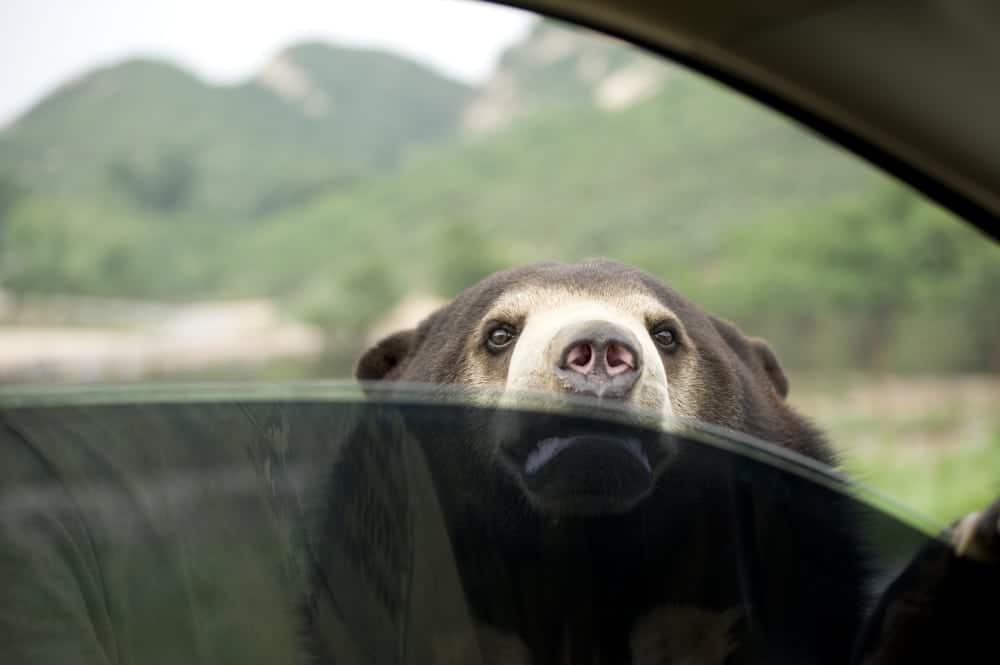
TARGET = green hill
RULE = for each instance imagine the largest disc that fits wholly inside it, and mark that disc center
(153, 136)
(662, 183)
(577, 147)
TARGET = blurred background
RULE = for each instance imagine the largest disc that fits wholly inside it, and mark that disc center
(257, 194)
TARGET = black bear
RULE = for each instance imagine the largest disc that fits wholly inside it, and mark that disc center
(618, 542)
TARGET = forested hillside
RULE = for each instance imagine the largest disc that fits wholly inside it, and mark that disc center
(152, 136)
(339, 182)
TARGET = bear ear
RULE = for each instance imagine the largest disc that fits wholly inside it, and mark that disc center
(771, 365)
(386, 360)
(755, 352)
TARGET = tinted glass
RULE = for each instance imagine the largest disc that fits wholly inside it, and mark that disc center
(168, 527)
(164, 221)
(262, 198)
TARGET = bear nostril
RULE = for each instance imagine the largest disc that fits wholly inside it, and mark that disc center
(580, 358)
(618, 359)
(597, 359)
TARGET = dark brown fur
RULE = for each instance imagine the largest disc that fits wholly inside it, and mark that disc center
(741, 384)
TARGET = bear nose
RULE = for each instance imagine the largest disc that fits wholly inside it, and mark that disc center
(616, 356)
(599, 359)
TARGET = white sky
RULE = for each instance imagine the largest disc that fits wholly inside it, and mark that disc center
(46, 42)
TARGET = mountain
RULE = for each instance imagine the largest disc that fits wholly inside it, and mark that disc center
(558, 66)
(593, 148)
(659, 174)
(749, 214)
(154, 135)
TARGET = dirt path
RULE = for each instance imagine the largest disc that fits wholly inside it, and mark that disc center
(183, 337)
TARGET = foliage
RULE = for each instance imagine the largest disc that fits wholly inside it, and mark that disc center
(165, 186)
(880, 282)
(471, 257)
(10, 194)
(237, 192)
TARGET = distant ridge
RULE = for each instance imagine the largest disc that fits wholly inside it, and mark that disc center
(149, 131)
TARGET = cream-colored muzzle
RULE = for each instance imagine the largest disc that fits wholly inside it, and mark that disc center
(540, 348)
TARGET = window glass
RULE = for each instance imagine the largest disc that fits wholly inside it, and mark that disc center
(189, 197)
(198, 542)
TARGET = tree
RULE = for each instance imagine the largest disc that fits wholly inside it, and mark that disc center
(167, 186)
(465, 256)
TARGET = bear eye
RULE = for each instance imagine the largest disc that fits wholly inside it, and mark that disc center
(499, 337)
(665, 338)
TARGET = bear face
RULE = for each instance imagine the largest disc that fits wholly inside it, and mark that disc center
(604, 331)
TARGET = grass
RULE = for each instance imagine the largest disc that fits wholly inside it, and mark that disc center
(931, 443)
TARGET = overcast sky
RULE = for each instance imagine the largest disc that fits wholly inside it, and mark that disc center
(46, 42)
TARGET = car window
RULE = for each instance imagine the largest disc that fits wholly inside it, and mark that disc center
(197, 539)
(168, 214)
(214, 220)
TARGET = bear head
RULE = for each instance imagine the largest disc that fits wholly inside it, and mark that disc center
(604, 333)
